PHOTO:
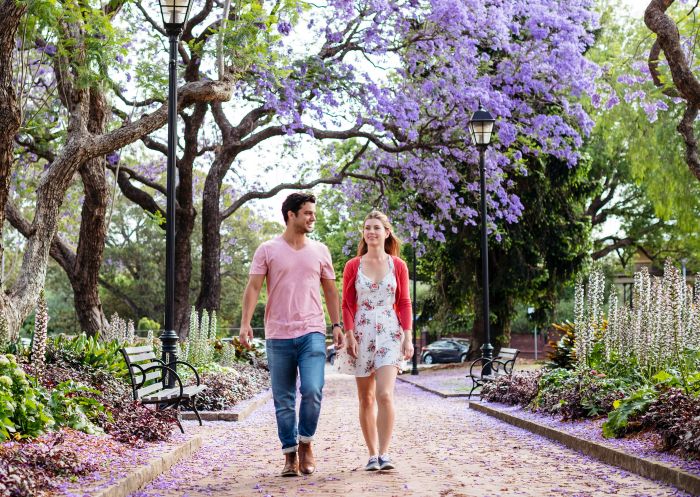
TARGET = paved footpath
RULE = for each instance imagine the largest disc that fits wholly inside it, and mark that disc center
(441, 449)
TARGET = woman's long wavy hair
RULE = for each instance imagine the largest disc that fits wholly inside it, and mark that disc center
(392, 245)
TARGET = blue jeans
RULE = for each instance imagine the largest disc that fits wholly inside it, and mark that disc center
(306, 353)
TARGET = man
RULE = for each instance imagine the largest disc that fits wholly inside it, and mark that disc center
(295, 336)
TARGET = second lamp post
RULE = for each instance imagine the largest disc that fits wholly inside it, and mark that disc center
(480, 128)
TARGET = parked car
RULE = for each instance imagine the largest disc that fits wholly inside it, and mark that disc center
(447, 350)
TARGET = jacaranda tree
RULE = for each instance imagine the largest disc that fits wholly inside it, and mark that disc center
(390, 84)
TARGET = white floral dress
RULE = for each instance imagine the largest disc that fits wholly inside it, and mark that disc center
(377, 329)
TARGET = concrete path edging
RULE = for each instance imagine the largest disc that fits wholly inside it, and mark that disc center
(142, 475)
(680, 479)
(239, 412)
(431, 390)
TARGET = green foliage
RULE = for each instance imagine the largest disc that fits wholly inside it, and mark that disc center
(22, 411)
(563, 353)
(88, 55)
(71, 409)
(634, 405)
(580, 394)
(148, 324)
(642, 157)
(534, 259)
(89, 351)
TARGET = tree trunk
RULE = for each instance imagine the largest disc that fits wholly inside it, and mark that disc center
(501, 327)
(10, 121)
(183, 268)
(186, 215)
(210, 290)
(478, 330)
(93, 230)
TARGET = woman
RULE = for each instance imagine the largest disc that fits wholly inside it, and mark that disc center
(377, 319)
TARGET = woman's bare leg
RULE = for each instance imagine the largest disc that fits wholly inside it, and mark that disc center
(368, 411)
(385, 379)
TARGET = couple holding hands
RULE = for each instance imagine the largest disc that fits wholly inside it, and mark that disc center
(373, 340)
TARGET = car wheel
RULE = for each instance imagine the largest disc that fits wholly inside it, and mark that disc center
(428, 359)
(331, 359)
(463, 358)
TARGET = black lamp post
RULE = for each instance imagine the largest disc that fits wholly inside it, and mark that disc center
(480, 128)
(414, 369)
(174, 14)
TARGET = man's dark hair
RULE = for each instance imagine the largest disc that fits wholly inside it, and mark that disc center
(294, 202)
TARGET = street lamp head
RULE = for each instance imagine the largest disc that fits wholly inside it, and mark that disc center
(174, 14)
(481, 127)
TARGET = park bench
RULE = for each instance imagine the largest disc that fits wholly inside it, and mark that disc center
(149, 375)
(501, 365)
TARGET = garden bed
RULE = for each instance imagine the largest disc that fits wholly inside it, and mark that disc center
(104, 461)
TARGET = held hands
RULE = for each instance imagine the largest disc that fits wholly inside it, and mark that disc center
(246, 335)
(407, 345)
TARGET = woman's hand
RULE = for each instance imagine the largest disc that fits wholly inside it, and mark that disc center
(407, 345)
(351, 344)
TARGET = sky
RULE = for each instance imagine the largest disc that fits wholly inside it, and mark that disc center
(636, 7)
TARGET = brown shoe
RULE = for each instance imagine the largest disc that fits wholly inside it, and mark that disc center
(307, 464)
(291, 465)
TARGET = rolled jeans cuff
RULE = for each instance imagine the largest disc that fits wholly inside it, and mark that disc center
(289, 450)
(306, 440)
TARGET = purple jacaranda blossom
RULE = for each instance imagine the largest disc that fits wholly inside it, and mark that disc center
(284, 27)
(113, 158)
(50, 49)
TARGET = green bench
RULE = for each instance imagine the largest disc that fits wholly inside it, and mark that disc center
(149, 376)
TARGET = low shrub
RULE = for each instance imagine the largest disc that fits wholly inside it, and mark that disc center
(227, 387)
(107, 402)
(134, 423)
(23, 412)
(83, 351)
(517, 389)
(28, 469)
(676, 416)
(576, 395)
(621, 419)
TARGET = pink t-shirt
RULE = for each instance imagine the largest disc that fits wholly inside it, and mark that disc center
(293, 286)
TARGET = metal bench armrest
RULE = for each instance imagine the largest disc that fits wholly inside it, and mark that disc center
(196, 374)
(475, 364)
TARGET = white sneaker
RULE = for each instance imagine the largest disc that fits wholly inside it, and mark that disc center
(372, 464)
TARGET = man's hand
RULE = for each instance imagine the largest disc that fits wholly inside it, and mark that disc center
(246, 335)
(337, 338)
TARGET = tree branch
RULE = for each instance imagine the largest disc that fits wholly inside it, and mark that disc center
(136, 176)
(333, 180)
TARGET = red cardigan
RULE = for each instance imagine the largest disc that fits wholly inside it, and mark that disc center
(402, 303)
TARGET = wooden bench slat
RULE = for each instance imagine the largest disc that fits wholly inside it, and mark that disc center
(142, 357)
(138, 377)
(138, 350)
(141, 392)
(145, 366)
(171, 393)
